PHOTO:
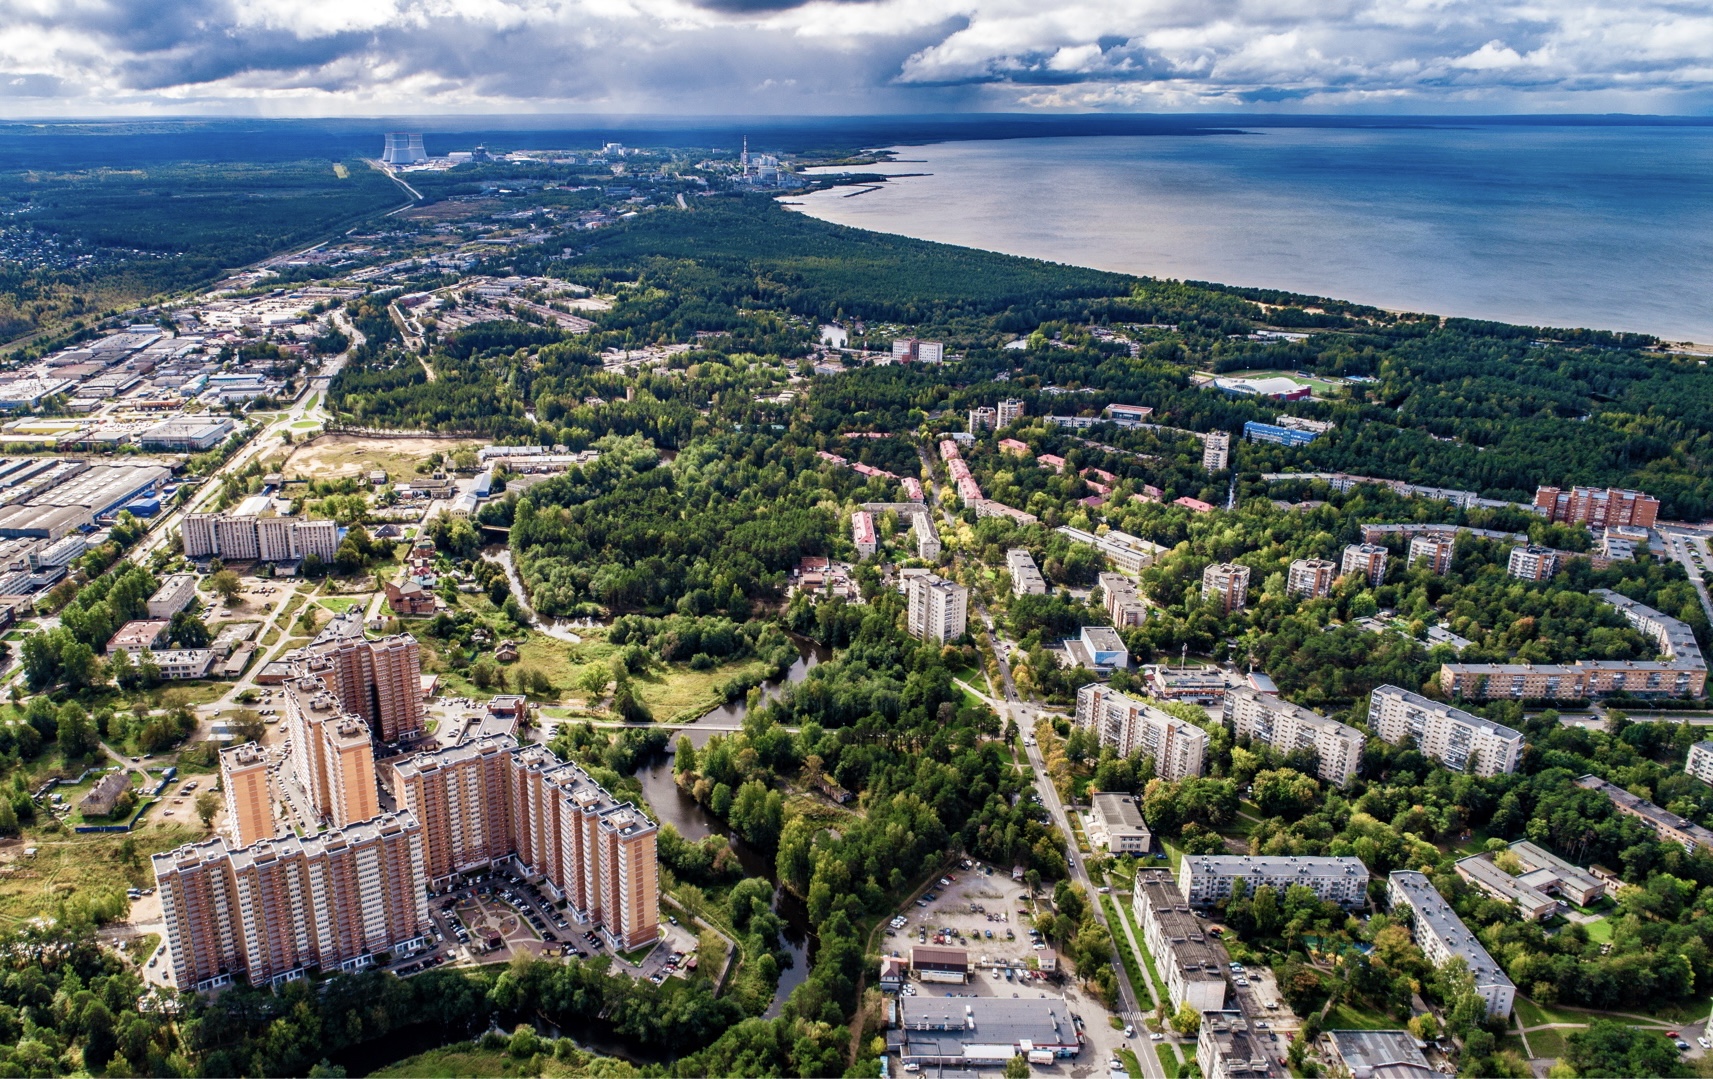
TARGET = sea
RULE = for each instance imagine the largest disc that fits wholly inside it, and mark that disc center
(1607, 227)
(1603, 222)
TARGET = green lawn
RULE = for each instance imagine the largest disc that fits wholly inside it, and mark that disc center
(1349, 1017)
(1548, 1043)
(466, 1060)
(1160, 994)
(1599, 932)
(1132, 1066)
(1125, 953)
(1533, 1014)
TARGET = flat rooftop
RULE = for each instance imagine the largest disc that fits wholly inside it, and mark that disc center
(1434, 914)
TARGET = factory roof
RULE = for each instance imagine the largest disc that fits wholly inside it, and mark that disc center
(1380, 1054)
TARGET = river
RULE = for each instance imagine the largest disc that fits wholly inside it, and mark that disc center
(670, 805)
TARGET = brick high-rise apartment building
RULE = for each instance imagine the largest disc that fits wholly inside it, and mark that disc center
(1597, 506)
(1434, 548)
(249, 798)
(332, 757)
(1366, 559)
(1227, 584)
(380, 681)
(490, 799)
(1311, 577)
(274, 910)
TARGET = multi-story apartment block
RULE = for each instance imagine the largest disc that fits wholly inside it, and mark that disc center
(938, 608)
(1576, 681)
(1127, 552)
(274, 910)
(1227, 584)
(1665, 824)
(1311, 577)
(1216, 451)
(247, 538)
(489, 800)
(1122, 602)
(1194, 964)
(1532, 563)
(1597, 507)
(1453, 737)
(1435, 549)
(981, 419)
(1442, 937)
(1227, 1048)
(1009, 412)
(1177, 746)
(310, 707)
(379, 680)
(1700, 762)
(1205, 879)
(1285, 726)
(862, 534)
(1675, 640)
(1366, 559)
(249, 797)
(1026, 579)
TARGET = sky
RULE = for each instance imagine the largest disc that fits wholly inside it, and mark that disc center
(851, 57)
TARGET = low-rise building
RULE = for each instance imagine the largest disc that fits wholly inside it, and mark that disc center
(1279, 436)
(1203, 685)
(102, 797)
(1193, 965)
(1665, 824)
(1122, 602)
(1205, 879)
(1026, 579)
(1442, 936)
(1265, 718)
(1547, 872)
(1115, 822)
(1480, 871)
(1379, 1054)
(1311, 577)
(970, 1033)
(862, 534)
(139, 635)
(931, 963)
(175, 594)
(1099, 648)
(1460, 741)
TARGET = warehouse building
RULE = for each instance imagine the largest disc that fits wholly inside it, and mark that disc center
(970, 1033)
(935, 964)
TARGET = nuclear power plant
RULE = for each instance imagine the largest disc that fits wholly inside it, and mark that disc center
(404, 148)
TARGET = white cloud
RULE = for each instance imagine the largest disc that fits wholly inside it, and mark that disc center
(784, 56)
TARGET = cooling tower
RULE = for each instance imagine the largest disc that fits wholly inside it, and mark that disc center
(404, 148)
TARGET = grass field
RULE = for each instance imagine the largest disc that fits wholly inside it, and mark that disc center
(1348, 1017)
(1600, 932)
(66, 864)
(1533, 1014)
(332, 456)
(1548, 1043)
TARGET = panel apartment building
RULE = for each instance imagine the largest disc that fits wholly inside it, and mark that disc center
(1665, 824)
(1458, 740)
(1177, 746)
(247, 538)
(938, 608)
(274, 910)
(1265, 718)
(1026, 579)
(489, 800)
(1205, 879)
(1442, 937)
(249, 794)
(1194, 964)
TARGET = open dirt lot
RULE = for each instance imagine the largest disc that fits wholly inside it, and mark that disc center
(332, 456)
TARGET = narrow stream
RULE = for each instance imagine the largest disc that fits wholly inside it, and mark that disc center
(672, 805)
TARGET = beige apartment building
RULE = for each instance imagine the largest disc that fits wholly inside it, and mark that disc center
(1227, 584)
(332, 756)
(1311, 577)
(249, 797)
(938, 608)
(1455, 738)
(490, 800)
(381, 681)
(1177, 746)
(1265, 718)
(272, 911)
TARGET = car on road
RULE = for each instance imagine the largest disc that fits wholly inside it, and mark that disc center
(1156, 1037)
(1129, 1031)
